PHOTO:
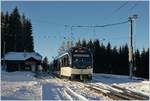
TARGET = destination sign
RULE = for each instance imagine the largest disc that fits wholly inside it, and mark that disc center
(81, 55)
(80, 51)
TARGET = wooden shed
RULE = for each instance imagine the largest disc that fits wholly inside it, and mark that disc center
(22, 61)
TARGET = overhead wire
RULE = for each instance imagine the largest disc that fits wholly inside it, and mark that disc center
(120, 7)
(134, 6)
(105, 25)
(117, 9)
(112, 24)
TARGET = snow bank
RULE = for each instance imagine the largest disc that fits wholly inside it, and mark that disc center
(17, 76)
(139, 87)
(111, 78)
(20, 90)
(19, 86)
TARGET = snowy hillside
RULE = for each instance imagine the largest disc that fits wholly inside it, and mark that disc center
(24, 86)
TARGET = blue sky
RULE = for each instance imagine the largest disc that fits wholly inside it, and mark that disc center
(49, 17)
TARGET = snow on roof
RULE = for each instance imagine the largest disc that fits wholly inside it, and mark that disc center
(22, 55)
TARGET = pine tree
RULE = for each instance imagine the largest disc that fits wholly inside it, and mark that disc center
(143, 70)
(96, 56)
(146, 71)
(90, 45)
(114, 61)
(68, 44)
(137, 62)
(5, 37)
(72, 44)
(84, 43)
(125, 60)
(78, 44)
(15, 30)
(109, 58)
(2, 32)
(7, 34)
(23, 31)
(45, 64)
(28, 37)
(62, 48)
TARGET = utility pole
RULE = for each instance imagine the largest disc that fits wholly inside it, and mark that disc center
(131, 19)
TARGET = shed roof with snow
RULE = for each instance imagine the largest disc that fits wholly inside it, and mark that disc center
(22, 56)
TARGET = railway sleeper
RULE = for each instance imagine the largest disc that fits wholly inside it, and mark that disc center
(112, 94)
(124, 93)
(123, 96)
(132, 94)
(108, 93)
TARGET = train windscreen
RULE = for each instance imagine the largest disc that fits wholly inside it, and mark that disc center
(82, 60)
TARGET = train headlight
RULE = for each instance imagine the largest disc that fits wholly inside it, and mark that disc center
(89, 67)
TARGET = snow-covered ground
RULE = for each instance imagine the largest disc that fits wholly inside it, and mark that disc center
(19, 86)
(139, 87)
(111, 78)
(17, 76)
(24, 86)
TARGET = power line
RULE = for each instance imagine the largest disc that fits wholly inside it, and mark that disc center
(113, 24)
(87, 26)
(134, 6)
(117, 9)
(105, 25)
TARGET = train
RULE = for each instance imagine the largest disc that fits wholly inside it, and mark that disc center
(74, 63)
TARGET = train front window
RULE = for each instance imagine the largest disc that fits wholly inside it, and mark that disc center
(82, 62)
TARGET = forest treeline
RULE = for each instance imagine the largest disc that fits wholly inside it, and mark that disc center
(16, 32)
(108, 59)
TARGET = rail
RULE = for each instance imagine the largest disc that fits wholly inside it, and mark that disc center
(117, 93)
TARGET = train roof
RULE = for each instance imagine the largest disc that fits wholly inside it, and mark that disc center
(70, 50)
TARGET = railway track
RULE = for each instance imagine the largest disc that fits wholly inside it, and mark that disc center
(132, 94)
(117, 93)
(114, 92)
(73, 95)
(69, 93)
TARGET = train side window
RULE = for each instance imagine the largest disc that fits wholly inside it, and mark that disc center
(64, 61)
(64, 64)
(67, 61)
(61, 62)
(67, 58)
